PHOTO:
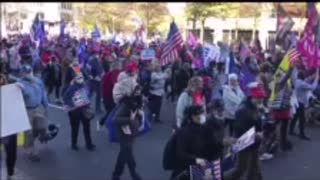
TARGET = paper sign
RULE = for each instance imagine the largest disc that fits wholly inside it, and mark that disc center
(148, 54)
(210, 53)
(13, 114)
(246, 140)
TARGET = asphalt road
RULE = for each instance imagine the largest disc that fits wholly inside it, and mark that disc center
(59, 162)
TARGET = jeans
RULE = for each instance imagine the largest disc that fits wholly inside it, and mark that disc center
(57, 90)
(302, 120)
(155, 103)
(125, 156)
(95, 87)
(11, 153)
(76, 116)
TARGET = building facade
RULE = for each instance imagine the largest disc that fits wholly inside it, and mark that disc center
(18, 17)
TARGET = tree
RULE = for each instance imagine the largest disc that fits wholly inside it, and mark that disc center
(152, 14)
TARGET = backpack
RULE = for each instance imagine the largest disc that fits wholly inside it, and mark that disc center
(169, 161)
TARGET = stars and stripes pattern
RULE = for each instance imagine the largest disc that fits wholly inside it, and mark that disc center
(293, 56)
(170, 51)
(284, 23)
(212, 171)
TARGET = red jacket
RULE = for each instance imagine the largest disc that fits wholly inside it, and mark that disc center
(109, 79)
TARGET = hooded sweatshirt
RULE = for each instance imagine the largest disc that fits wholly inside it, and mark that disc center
(232, 98)
(124, 87)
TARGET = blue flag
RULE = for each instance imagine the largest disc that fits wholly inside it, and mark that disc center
(96, 33)
(62, 27)
(35, 28)
(42, 33)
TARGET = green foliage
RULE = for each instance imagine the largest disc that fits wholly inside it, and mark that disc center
(118, 16)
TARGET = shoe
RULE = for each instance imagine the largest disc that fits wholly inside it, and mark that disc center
(286, 146)
(265, 157)
(91, 147)
(34, 158)
(75, 147)
(304, 137)
(115, 178)
(136, 177)
(292, 133)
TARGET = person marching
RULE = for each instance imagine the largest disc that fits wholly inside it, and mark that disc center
(77, 103)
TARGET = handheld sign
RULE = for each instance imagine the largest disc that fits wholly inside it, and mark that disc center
(14, 118)
(148, 54)
(246, 140)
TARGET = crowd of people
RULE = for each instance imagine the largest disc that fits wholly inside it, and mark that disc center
(213, 107)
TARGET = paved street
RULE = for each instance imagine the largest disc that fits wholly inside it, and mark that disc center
(60, 163)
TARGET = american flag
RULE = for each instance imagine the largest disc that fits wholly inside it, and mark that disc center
(212, 171)
(284, 23)
(169, 51)
(293, 56)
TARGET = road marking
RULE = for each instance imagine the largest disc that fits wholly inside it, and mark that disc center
(56, 106)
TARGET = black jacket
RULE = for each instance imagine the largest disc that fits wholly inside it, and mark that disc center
(53, 74)
(193, 141)
(215, 129)
(122, 118)
(247, 116)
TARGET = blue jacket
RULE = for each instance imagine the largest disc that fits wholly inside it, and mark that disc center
(76, 96)
(34, 93)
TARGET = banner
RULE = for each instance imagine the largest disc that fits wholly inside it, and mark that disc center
(14, 117)
(246, 140)
(148, 54)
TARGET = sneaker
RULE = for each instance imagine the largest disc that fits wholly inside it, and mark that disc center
(265, 157)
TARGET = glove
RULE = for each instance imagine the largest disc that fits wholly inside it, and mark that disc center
(201, 162)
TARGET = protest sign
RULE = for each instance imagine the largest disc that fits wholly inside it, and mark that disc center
(246, 140)
(148, 54)
(210, 53)
(212, 171)
(13, 114)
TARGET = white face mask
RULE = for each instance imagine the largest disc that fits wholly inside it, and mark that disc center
(203, 119)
